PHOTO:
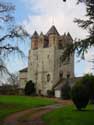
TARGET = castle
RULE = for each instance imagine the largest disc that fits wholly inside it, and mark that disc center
(45, 66)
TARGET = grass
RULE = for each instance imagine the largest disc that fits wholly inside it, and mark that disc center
(70, 116)
(11, 104)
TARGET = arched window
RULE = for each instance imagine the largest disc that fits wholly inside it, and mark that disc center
(60, 46)
(39, 92)
(48, 77)
(60, 61)
(46, 44)
(61, 74)
(68, 75)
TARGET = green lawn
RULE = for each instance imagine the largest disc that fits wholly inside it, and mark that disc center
(11, 104)
(70, 116)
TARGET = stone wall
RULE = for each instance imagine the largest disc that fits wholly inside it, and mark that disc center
(44, 63)
(22, 79)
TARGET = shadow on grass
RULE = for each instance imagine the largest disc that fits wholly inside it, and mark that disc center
(83, 110)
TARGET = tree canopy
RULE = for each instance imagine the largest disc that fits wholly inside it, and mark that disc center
(82, 45)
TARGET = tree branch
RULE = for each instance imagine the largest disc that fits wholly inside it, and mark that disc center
(6, 7)
(17, 32)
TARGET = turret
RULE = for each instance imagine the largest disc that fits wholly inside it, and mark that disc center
(62, 41)
(66, 39)
(34, 39)
(53, 36)
(41, 41)
(69, 38)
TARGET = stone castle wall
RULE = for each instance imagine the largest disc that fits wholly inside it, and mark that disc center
(45, 67)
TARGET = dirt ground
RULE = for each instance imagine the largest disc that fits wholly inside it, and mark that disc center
(33, 116)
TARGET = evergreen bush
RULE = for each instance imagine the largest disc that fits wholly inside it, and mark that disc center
(30, 88)
(80, 95)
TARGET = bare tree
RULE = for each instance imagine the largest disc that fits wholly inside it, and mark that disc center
(8, 33)
(13, 79)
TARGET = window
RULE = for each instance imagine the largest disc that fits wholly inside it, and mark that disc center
(48, 56)
(48, 77)
(68, 75)
(46, 44)
(39, 92)
(60, 61)
(37, 57)
(60, 46)
(61, 74)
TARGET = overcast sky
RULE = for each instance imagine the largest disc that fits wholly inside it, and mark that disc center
(40, 15)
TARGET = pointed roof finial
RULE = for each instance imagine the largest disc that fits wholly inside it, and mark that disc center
(52, 20)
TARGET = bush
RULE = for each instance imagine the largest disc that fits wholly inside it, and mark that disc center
(80, 95)
(66, 91)
(88, 81)
(30, 88)
(7, 89)
(50, 93)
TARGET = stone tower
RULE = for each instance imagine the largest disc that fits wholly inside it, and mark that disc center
(45, 67)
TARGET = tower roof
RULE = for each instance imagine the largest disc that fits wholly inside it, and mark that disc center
(24, 70)
(41, 34)
(69, 36)
(52, 30)
(35, 35)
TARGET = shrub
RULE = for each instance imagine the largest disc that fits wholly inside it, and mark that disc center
(30, 88)
(7, 89)
(80, 95)
(88, 81)
(50, 93)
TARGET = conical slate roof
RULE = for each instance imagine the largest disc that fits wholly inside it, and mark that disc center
(52, 30)
(23, 70)
(41, 34)
(69, 36)
(35, 35)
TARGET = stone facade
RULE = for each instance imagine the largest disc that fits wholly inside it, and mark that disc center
(45, 67)
(22, 78)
